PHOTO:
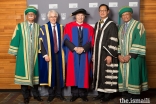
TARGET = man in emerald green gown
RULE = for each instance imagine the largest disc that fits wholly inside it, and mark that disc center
(132, 77)
(24, 45)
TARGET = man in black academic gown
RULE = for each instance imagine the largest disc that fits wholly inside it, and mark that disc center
(105, 62)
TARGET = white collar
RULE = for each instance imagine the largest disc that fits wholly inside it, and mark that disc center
(30, 23)
(53, 24)
(79, 23)
(127, 22)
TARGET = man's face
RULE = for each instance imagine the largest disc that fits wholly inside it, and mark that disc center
(126, 16)
(80, 17)
(52, 18)
(103, 12)
(30, 16)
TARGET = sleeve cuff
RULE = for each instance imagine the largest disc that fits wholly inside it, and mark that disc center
(45, 56)
(86, 47)
(133, 55)
(119, 54)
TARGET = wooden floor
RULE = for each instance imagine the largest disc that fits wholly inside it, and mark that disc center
(15, 97)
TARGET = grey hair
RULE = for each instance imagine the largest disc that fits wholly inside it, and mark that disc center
(52, 11)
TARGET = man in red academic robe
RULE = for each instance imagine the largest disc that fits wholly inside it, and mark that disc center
(78, 42)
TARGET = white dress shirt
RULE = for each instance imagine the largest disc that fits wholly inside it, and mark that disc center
(53, 36)
(104, 21)
(31, 25)
(79, 24)
(127, 23)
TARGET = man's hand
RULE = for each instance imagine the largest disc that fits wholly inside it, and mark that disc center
(79, 50)
(108, 60)
(127, 58)
(121, 59)
(47, 58)
(76, 49)
(93, 57)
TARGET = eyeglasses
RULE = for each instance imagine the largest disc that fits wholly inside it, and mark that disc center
(53, 17)
(102, 10)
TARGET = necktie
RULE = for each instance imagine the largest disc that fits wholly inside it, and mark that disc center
(30, 27)
(30, 30)
(101, 21)
(80, 31)
(125, 27)
(55, 40)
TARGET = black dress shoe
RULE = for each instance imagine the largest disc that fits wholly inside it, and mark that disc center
(50, 98)
(104, 99)
(26, 101)
(84, 98)
(38, 98)
(108, 97)
(98, 97)
(61, 97)
(73, 98)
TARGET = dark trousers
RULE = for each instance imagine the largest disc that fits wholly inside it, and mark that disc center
(101, 93)
(26, 92)
(106, 95)
(57, 90)
(75, 91)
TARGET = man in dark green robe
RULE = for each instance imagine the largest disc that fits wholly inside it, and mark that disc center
(24, 45)
(132, 78)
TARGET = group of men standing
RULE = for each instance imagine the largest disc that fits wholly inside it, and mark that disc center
(58, 56)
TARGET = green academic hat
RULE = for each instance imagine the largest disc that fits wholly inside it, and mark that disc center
(123, 10)
(83, 11)
(30, 9)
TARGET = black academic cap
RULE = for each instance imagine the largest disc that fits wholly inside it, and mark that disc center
(83, 11)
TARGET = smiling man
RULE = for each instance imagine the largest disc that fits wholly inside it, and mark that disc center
(105, 62)
(78, 42)
(132, 50)
(51, 62)
(24, 45)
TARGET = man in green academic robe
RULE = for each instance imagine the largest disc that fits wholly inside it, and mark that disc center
(24, 45)
(132, 77)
